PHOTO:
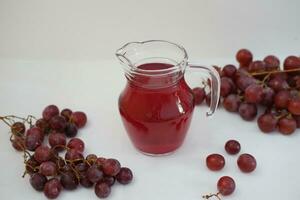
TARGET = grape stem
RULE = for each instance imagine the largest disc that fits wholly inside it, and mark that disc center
(208, 196)
(274, 72)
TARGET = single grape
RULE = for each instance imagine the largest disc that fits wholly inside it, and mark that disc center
(287, 125)
(100, 162)
(294, 81)
(48, 168)
(278, 84)
(199, 95)
(226, 86)
(246, 163)
(111, 167)
(76, 143)
(268, 95)
(248, 111)
(52, 188)
(79, 118)
(94, 174)
(102, 190)
(73, 154)
(281, 99)
(85, 182)
(66, 113)
(42, 154)
(267, 122)
(38, 181)
(294, 106)
(18, 143)
(226, 185)
(69, 181)
(272, 63)
(229, 71)
(125, 176)
(82, 168)
(58, 123)
(291, 62)
(254, 93)
(257, 66)
(297, 119)
(50, 111)
(71, 130)
(232, 147)
(57, 140)
(91, 158)
(244, 57)
(34, 138)
(18, 128)
(110, 180)
(215, 162)
(243, 82)
(43, 125)
(232, 102)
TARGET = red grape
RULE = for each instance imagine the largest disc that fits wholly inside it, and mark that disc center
(52, 188)
(66, 113)
(257, 66)
(278, 84)
(79, 118)
(71, 130)
(294, 106)
(18, 128)
(226, 185)
(297, 119)
(291, 62)
(69, 181)
(110, 180)
(43, 125)
(287, 125)
(38, 181)
(272, 63)
(229, 71)
(58, 123)
(91, 158)
(18, 143)
(100, 162)
(246, 163)
(48, 168)
(102, 190)
(85, 182)
(124, 176)
(268, 95)
(34, 138)
(94, 174)
(232, 147)
(248, 111)
(254, 93)
(267, 122)
(73, 154)
(57, 140)
(281, 99)
(226, 86)
(42, 154)
(50, 111)
(215, 162)
(111, 167)
(31, 165)
(232, 102)
(76, 143)
(199, 95)
(243, 82)
(244, 57)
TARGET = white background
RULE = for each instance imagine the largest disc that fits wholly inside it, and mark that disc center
(62, 52)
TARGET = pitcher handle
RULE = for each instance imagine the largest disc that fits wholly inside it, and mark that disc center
(215, 85)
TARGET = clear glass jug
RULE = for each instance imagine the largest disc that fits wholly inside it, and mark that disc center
(156, 105)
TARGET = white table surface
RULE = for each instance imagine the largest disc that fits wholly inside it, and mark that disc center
(62, 52)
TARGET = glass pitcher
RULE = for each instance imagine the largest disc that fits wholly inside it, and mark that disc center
(156, 105)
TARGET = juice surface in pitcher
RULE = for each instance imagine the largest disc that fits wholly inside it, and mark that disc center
(156, 119)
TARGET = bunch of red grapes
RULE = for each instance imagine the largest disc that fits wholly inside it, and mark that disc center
(49, 170)
(261, 83)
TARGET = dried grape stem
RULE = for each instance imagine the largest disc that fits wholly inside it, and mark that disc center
(208, 196)
(274, 72)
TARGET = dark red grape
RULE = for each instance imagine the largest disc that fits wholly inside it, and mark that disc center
(91, 158)
(76, 143)
(254, 93)
(69, 181)
(232, 102)
(100, 162)
(243, 82)
(73, 154)
(294, 106)
(102, 190)
(244, 57)
(85, 182)
(257, 66)
(57, 140)
(48, 168)
(281, 99)
(215, 162)
(246, 163)
(229, 71)
(34, 138)
(226, 185)
(52, 188)
(79, 118)
(66, 113)
(58, 123)
(50, 111)
(42, 154)
(226, 86)
(272, 63)
(18, 143)
(248, 111)
(110, 180)
(38, 181)
(287, 125)
(297, 119)
(199, 95)
(278, 84)
(268, 95)
(18, 128)
(291, 62)
(232, 147)
(111, 167)
(71, 130)
(267, 122)
(94, 174)
(125, 176)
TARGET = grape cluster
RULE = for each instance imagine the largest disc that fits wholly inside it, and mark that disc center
(261, 83)
(57, 162)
